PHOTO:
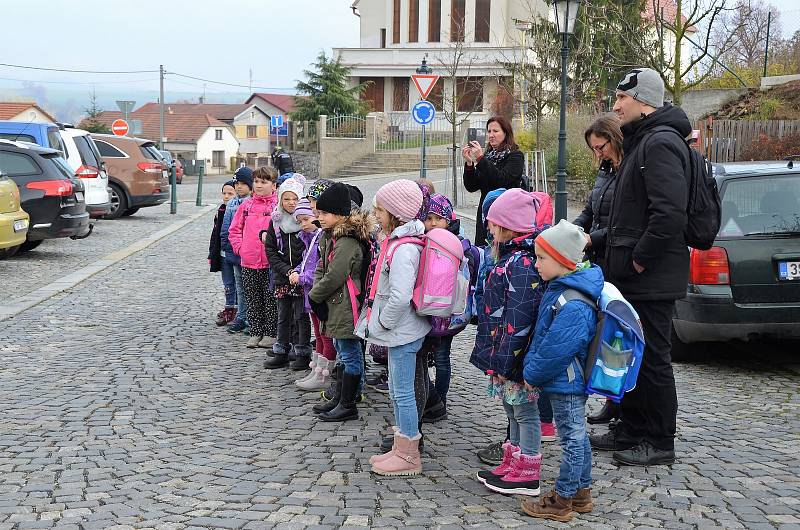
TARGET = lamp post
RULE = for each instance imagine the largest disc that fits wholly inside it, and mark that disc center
(423, 69)
(566, 12)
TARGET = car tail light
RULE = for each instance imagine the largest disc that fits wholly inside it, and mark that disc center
(156, 190)
(709, 267)
(87, 172)
(150, 167)
(52, 188)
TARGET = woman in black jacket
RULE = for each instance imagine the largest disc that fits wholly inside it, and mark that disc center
(500, 166)
(604, 138)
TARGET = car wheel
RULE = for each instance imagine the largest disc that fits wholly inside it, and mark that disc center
(29, 245)
(130, 211)
(681, 351)
(119, 203)
(6, 253)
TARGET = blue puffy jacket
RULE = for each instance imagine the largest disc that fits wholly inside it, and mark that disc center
(508, 315)
(230, 211)
(556, 357)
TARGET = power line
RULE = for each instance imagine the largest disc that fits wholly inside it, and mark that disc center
(79, 71)
(75, 82)
(227, 84)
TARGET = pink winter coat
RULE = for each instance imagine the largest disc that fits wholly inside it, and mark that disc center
(251, 218)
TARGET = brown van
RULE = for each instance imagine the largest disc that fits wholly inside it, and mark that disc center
(137, 174)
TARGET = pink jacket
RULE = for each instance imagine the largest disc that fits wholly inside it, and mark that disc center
(251, 218)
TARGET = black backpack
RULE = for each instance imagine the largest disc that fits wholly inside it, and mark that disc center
(704, 207)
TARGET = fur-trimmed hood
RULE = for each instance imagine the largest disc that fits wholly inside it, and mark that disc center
(358, 225)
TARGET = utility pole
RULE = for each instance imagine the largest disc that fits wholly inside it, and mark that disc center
(250, 86)
(161, 106)
(766, 46)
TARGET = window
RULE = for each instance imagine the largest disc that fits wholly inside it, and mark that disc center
(396, 21)
(470, 94)
(434, 20)
(85, 150)
(15, 137)
(251, 159)
(150, 152)
(218, 158)
(413, 20)
(383, 37)
(482, 14)
(17, 164)
(400, 94)
(54, 140)
(218, 134)
(760, 205)
(458, 10)
(374, 93)
(108, 150)
(251, 132)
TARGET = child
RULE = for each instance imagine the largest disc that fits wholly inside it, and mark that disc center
(217, 261)
(243, 186)
(315, 190)
(323, 359)
(392, 321)
(555, 361)
(338, 281)
(284, 250)
(252, 218)
(504, 327)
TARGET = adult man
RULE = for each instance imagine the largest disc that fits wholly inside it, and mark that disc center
(647, 259)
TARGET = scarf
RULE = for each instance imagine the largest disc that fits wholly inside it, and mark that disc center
(496, 156)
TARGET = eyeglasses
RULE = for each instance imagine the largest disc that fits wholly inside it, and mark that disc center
(599, 148)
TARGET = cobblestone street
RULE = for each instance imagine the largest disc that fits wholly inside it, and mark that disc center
(125, 407)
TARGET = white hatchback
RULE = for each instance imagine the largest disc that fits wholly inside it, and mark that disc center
(84, 158)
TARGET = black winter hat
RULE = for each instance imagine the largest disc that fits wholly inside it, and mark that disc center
(335, 199)
(355, 195)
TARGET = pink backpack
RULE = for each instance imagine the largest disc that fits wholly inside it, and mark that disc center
(544, 208)
(440, 289)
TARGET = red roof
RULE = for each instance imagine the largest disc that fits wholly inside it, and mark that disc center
(10, 110)
(177, 127)
(281, 101)
(669, 8)
(220, 111)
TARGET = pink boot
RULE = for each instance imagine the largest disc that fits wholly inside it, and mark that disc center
(505, 466)
(380, 458)
(404, 459)
(523, 479)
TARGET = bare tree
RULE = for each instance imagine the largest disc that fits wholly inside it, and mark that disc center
(746, 24)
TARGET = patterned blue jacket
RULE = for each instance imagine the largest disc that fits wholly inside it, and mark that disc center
(508, 315)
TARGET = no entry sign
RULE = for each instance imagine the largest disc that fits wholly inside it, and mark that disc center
(119, 127)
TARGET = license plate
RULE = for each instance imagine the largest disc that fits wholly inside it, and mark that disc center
(165, 174)
(79, 196)
(20, 225)
(789, 270)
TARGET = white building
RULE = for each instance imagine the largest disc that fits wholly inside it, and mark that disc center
(24, 111)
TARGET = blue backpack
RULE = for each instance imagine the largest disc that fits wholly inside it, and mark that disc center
(611, 371)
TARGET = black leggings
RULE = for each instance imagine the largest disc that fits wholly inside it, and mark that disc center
(262, 308)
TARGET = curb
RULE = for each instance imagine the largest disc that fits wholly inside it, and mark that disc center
(36, 297)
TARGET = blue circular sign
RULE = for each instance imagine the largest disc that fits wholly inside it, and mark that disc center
(423, 112)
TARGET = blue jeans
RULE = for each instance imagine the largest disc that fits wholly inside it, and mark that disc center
(569, 412)
(402, 367)
(441, 359)
(545, 408)
(241, 311)
(524, 429)
(229, 283)
(350, 355)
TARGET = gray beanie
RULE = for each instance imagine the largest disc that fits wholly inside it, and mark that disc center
(645, 85)
(564, 242)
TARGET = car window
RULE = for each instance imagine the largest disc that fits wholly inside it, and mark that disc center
(61, 165)
(17, 164)
(54, 140)
(87, 155)
(167, 155)
(760, 205)
(106, 149)
(150, 152)
(18, 137)
(93, 147)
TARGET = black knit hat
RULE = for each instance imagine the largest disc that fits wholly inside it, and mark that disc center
(335, 200)
(355, 195)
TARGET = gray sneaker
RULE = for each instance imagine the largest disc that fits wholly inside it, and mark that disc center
(253, 341)
(266, 342)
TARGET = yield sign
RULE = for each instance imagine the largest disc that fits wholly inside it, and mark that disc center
(424, 84)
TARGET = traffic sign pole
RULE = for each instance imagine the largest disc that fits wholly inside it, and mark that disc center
(422, 169)
(173, 197)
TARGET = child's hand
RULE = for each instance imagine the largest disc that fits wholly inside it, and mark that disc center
(528, 387)
(294, 278)
(264, 236)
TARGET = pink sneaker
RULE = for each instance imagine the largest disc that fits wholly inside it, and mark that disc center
(505, 466)
(548, 432)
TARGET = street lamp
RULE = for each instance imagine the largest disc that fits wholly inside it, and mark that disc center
(566, 11)
(423, 69)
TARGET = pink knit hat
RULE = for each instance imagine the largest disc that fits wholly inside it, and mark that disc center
(515, 210)
(401, 198)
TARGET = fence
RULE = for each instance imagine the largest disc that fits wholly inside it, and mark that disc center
(398, 130)
(346, 127)
(726, 140)
(304, 135)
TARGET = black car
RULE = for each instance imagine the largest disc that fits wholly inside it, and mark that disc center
(50, 193)
(747, 286)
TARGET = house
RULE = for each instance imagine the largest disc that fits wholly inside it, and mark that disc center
(190, 136)
(272, 104)
(666, 10)
(24, 111)
(253, 132)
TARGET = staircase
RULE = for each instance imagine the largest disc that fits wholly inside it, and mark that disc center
(384, 162)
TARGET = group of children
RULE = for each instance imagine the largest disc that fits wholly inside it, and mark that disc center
(294, 258)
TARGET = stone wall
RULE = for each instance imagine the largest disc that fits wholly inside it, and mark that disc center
(698, 103)
(338, 153)
(306, 162)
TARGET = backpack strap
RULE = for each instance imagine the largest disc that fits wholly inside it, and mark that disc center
(642, 146)
(567, 296)
(352, 289)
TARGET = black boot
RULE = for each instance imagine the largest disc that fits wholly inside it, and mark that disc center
(435, 408)
(276, 361)
(610, 411)
(302, 358)
(335, 390)
(346, 408)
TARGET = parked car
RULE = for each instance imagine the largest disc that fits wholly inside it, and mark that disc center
(85, 160)
(50, 192)
(44, 134)
(138, 175)
(747, 286)
(13, 219)
(173, 162)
